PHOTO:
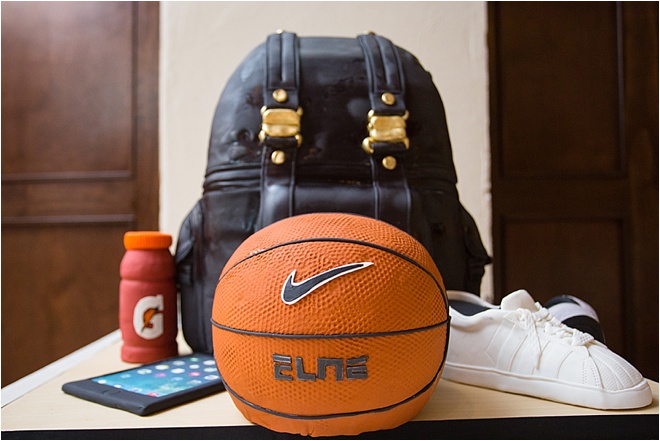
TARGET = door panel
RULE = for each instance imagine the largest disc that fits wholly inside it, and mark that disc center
(59, 292)
(574, 135)
(559, 75)
(73, 61)
(79, 168)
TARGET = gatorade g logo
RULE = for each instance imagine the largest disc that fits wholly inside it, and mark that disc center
(148, 317)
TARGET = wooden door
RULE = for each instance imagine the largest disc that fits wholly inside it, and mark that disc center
(574, 111)
(79, 168)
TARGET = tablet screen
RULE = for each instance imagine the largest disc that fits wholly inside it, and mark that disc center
(165, 377)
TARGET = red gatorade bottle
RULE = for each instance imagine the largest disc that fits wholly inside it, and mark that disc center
(147, 298)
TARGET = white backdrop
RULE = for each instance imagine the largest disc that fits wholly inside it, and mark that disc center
(203, 42)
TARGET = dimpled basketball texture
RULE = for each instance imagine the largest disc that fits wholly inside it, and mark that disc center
(362, 351)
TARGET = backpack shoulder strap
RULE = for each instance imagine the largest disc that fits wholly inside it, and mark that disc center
(280, 127)
(385, 75)
(282, 71)
(387, 143)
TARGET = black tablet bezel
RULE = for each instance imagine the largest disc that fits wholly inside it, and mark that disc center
(136, 403)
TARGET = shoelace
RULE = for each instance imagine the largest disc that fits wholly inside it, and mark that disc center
(535, 322)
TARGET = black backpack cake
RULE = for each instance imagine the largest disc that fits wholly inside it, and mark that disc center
(317, 124)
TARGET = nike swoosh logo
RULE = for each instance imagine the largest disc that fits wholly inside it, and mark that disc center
(292, 291)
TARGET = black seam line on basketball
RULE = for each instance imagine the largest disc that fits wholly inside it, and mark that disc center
(335, 415)
(342, 240)
(328, 336)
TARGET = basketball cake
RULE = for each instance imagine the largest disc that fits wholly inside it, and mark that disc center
(330, 324)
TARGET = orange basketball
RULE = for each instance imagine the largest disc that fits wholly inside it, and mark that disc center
(330, 324)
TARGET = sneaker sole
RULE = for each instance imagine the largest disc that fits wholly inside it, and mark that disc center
(549, 389)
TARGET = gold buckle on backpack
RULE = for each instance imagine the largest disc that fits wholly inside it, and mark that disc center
(385, 128)
(280, 123)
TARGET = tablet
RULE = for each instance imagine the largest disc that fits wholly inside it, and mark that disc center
(152, 387)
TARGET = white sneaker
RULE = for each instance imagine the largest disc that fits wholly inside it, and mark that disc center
(520, 347)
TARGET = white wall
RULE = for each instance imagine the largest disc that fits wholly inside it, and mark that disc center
(203, 42)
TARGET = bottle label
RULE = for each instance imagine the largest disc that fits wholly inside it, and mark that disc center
(148, 317)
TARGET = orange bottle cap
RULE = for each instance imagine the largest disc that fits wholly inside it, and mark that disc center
(146, 240)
